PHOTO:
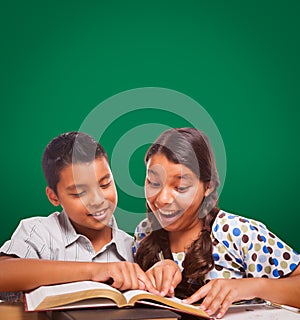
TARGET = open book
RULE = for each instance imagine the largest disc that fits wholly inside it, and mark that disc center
(87, 294)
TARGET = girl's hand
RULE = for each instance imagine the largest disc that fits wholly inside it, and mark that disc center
(165, 276)
(221, 293)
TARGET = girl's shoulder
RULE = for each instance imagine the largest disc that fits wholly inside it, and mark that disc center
(236, 225)
(142, 229)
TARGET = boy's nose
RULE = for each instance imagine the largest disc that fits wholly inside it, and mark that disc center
(96, 199)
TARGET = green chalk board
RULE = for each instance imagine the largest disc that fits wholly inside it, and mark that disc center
(238, 59)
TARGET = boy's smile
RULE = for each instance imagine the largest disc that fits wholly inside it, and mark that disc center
(87, 193)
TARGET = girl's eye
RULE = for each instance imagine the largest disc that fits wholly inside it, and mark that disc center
(182, 189)
(153, 184)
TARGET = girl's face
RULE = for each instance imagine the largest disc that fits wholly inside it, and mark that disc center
(87, 193)
(174, 193)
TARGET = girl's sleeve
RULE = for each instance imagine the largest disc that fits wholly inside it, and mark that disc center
(259, 251)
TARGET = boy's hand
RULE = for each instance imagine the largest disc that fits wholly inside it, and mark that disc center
(221, 293)
(165, 276)
(124, 276)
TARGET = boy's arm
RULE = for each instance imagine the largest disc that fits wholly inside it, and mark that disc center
(18, 274)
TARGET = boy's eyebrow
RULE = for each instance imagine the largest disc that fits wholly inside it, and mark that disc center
(75, 186)
(105, 177)
(82, 185)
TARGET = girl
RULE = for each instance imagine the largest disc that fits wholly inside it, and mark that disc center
(223, 257)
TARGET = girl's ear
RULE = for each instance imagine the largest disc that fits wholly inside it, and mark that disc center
(52, 197)
(209, 188)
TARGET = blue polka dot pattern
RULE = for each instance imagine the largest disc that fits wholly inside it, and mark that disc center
(293, 266)
(280, 245)
(236, 232)
(259, 267)
(275, 273)
(265, 249)
(216, 256)
(241, 248)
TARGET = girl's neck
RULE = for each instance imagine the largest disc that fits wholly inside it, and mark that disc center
(181, 240)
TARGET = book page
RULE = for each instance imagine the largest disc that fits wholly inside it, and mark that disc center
(87, 304)
(35, 297)
(135, 295)
(144, 297)
(130, 294)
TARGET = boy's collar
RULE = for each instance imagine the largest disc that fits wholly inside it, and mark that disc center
(118, 237)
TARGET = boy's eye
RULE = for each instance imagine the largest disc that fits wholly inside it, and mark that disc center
(105, 185)
(78, 195)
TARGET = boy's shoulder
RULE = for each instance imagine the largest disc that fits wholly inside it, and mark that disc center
(41, 219)
(42, 225)
(51, 219)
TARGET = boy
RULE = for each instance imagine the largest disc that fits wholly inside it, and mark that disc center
(83, 241)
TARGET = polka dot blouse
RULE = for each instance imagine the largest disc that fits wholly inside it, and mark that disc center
(242, 248)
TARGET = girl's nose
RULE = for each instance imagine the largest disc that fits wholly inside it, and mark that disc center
(164, 197)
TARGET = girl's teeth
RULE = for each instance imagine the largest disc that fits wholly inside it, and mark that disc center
(167, 212)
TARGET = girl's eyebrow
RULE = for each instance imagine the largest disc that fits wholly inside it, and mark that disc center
(184, 177)
(152, 172)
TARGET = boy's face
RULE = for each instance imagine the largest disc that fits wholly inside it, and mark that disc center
(87, 193)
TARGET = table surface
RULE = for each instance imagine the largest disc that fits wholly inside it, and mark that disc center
(15, 311)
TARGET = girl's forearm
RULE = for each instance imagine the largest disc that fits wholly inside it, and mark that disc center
(25, 274)
(282, 291)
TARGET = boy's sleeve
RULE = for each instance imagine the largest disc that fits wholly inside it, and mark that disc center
(28, 241)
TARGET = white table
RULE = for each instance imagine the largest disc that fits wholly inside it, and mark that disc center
(251, 312)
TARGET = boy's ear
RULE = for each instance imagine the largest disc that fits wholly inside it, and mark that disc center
(52, 196)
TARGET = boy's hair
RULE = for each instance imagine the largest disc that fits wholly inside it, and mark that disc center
(69, 148)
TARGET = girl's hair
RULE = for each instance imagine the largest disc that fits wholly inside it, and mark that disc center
(69, 148)
(189, 147)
